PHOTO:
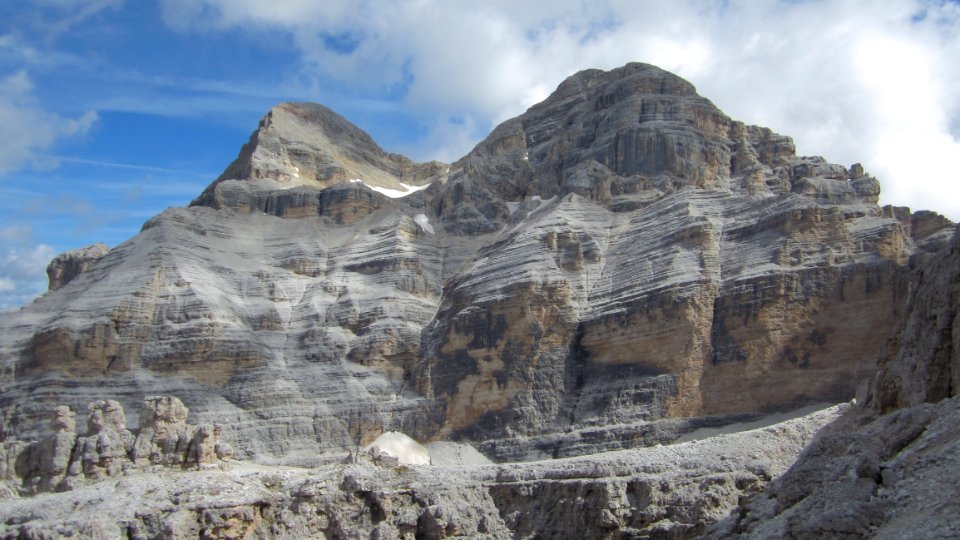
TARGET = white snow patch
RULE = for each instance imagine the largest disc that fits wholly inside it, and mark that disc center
(513, 206)
(456, 455)
(424, 222)
(406, 450)
(405, 190)
(396, 193)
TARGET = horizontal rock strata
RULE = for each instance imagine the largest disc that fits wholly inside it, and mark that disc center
(619, 265)
(669, 491)
(890, 467)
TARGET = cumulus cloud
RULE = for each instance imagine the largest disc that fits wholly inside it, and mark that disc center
(854, 80)
(22, 266)
(27, 131)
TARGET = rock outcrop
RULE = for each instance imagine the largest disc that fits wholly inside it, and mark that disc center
(619, 265)
(69, 265)
(890, 467)
(64, 460)
(663, 492)
(307, 144)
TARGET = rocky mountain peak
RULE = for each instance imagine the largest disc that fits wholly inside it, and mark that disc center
(613, 135)
(645, 78)
(618, 264)
(307, 144)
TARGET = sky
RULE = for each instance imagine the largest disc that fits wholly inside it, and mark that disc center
(113, 110)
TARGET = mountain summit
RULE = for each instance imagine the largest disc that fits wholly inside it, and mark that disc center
(619, 265)
(307, 144)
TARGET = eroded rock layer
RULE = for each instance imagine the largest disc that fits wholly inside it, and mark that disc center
(890, 467)
(664, 492)
(618, 265)
(65, 459)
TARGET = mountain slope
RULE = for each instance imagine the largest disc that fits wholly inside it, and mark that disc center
(889, 468)
(618, 265)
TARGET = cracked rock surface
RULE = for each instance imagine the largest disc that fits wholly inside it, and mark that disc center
(890, 467)
(619, 265)
(665, 491)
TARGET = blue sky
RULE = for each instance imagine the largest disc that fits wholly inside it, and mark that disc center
(112, 110)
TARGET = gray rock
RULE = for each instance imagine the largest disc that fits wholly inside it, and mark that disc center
(45, 464)
(104, 450)
(672, 491)
(619, 265)
(890, 468)
(306, 144)
(64, 460)
(66, 266)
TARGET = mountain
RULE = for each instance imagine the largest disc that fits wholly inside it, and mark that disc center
(889, 468)
(617, 266)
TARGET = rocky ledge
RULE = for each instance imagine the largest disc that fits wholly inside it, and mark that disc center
(663, 492)
(65, 460)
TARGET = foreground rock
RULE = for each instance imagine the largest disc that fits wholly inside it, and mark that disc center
(667, 491)
(620, 265)
(65, 459)
(889, 468)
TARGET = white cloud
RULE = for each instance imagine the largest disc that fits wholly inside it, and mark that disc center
(872, 81)
(7, 285)
(19, 233)
(61, 15)
(26, 263)
(26, 130)
(22, 267)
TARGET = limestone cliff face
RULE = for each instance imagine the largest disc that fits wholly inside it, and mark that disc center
(890, 466)
(69, 265)
(307, 144)
(619, 264)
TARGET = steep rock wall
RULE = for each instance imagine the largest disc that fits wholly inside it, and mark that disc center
(889, 467)
(618, 265)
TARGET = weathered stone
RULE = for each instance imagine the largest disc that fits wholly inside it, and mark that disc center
(104, 450)
(667, 491)
(66, 266)
(43, 465)
(164, 438)
(306, 144)
(922, 364)
(63, 460)
(614, 267)
(888, 468)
